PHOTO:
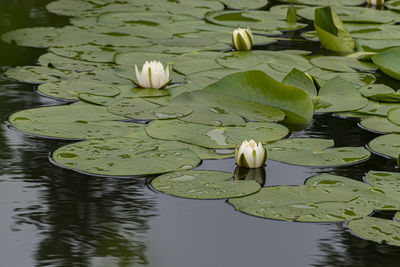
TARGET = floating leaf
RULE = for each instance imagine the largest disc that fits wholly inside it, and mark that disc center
(302, 203)
(239, 4)
(377, 108)
(141, 109)
(386, 145)
(314, 152)
(203, 185)
(215, 137)
(342, 64)
(377, 230)
(380, 92)
(300, 80)
(123, 157)
(326, 2)
(258, 87)
(380, 124)
(331, 31)
(388, 62)
(394, 115)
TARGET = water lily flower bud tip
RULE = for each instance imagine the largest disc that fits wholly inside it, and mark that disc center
(242, 39)
(376, 2)
(250, 154)
(153, 75)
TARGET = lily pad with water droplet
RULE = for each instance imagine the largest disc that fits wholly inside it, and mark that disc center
(259, 87)
(141, 109)
(123, 157)
(386, 145)
(215, 137)
(76, 121)
(337, 95)
(377, 230)
(380, 124)
(387, 181)
(203, 185)
(302, 203)
(389, 62)
(380, 92)
(394, 115)
(315, 152)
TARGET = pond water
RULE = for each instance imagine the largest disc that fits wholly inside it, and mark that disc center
(56, 217)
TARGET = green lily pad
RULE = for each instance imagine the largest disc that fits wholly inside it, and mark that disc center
(134, 18)
(203, 185)
(38, 74)
(380, 92)
(380, 124)
(375, 45)
(315, 152)
(389, 182)
(65, 63)
(76, 121)
(279, 61)
(70, 89)
(302, 203)
(258, 87)
(377, 108)
(331, 31)
(388, 62)
(394, 115)
(326, 2)
(342, 64)
(141, 109)
(357, 79)
(239, 4)
(386, 145)
(215, 137)
(257, 20)
(381, 32)
(300, 80)
(123, 157)
(224, 110)
(377, 230)
(338, 95)
(138, 58)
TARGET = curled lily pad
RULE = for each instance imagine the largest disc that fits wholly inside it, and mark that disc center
(302, 203)
(141, 109)
(380, 124)
(123, 157)
(70, 89)
(389, 61)
(314, 152)
(380, 92)
(377, 230)
(259, 87)
(203, 185)
(394, 115)
(300, 79)
(76, 121)
(215, 137)
(386, 145)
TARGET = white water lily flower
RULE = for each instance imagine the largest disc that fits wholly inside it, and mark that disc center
(250, 154)
(376, 2)
(153, 75)
(242, 39)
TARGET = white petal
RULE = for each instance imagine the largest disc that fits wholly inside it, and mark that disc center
(248, 154)
(138, 78)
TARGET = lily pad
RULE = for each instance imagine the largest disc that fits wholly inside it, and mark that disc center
(389, 182)
(380, 125)
(138, 58)
(203, 185)
(141, 109)
(300, 80)
(123, 157)
(302, 203)
(356, 78)
(377, 230)
(388, 62)
(386, 145)
(239, 4)
(76, 121)
(338, 95)
(377, 108)
(331, 31)
(259, 87)
(342, 64)
(394, 115)
(215, 137)
(326, 2)
(315, 152)
(380, 92)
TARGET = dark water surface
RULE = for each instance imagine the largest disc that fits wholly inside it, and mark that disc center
(55, 217)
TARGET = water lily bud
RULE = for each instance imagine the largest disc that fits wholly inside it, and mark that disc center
(250, 155)
(242, 39)
(153, 75)
(376, 2)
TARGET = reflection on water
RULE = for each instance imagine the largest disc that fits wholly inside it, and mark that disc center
(55, 217)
